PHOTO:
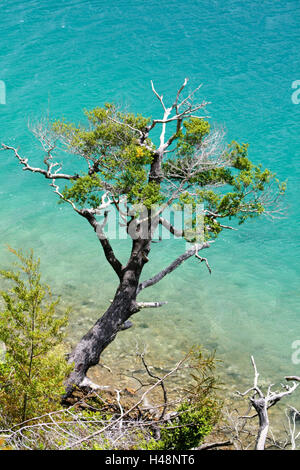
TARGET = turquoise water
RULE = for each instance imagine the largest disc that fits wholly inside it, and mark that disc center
(71, 55)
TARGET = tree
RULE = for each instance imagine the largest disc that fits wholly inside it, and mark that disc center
(119, 165)
(32, 374)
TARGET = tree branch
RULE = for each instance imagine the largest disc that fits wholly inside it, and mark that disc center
(174, 231)
(174, 265)
(179, 116)
(160, 98)
(263, 402)
(213, 445)
(150, 304)
(47, 173)
(293, 377)
(107, 248)
(87, 214)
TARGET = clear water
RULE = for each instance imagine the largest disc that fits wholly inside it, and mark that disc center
(71, 55)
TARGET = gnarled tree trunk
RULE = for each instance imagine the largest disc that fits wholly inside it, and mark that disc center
(87, 352)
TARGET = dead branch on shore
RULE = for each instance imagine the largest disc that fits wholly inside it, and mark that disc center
(241, 428)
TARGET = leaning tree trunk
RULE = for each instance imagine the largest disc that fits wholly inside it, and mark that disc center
(87, 352)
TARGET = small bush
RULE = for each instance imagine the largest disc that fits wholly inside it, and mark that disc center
(34, 367)
(200, 410)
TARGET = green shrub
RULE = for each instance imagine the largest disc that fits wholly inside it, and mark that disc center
(34, 367)
(199, 411)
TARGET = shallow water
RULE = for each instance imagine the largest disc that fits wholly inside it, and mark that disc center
(72, 55)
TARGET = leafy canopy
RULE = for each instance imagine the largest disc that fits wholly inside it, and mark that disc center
(197, 170)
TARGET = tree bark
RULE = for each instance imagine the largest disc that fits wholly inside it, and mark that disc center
(87, 352)
(260, 406)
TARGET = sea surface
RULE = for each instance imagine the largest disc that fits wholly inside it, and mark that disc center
(60, 57)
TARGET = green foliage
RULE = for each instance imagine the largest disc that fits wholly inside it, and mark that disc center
(198, 413)
(191, 427)
(236, 191)
(120, 161)
(195, 131)
(105, 445)
(85, 191)
(32, 374)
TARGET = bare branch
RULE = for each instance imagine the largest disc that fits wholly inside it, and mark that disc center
(142, 356)
(213, 445)
(47, 173)
(57, 191)
(107, 248)
(174, 231)
(160, 98)
(141, 305)
(205, 261)
(178, 261)
(91, 436)
(175, 105)
(179, 116)
(188, 98)
(263, 403)
(150, 304)
(292, 416)
(293, 377)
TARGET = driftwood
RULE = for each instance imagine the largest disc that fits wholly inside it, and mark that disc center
(262, 402)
